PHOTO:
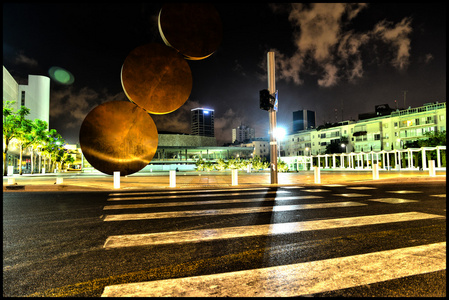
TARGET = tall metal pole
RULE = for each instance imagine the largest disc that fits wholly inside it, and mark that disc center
(272, 117)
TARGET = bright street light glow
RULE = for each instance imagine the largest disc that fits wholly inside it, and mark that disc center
(279, 132)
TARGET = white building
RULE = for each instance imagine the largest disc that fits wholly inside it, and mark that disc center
(242, 133)
(261, 147)
(389, 132)
(35, 95)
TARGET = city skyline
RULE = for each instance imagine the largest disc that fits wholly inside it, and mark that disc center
(338, 60)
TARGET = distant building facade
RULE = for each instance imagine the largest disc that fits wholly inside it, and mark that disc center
(384, 132)
(35, 95)
(202, 122)
(303, 120)
(242, 133)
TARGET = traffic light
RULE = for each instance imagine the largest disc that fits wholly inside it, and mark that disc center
(266, 100)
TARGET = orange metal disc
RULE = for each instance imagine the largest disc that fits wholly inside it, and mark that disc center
(118, 136)
(156, 78)
(194, 29)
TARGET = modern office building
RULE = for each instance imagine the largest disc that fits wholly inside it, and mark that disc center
(242, 133)
(35, 95)
(303, 120)
(202, 122)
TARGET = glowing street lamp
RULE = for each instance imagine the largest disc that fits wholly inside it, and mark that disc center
(279, 133)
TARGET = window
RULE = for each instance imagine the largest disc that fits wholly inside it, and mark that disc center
(377, 137)
(23, 99)
(395, 124)
(417, 121)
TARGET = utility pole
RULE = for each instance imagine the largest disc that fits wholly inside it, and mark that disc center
(272, 118)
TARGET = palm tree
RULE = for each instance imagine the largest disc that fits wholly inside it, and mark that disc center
(38, 133)
(12, 127)
(24, 139)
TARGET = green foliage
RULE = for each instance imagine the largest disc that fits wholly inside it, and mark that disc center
(30, 134)
(282, 166)
(221, 165)
(233, 163)
(259, 164)
(431, 139)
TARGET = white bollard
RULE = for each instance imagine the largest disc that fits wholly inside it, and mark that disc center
(248, 168)
(43, 170)
(11, 180)
(316, 174)
(10, 170)
(235, 177)
(116, 179)
(432, 168)
(375, 171)
(173, 178)
(59, 180)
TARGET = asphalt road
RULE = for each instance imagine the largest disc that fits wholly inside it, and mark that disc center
(360, 239)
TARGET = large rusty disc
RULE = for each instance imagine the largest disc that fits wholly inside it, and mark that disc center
(156, 78)
(118, 136)
(194, 29)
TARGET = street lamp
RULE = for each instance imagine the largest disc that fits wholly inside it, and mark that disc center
(279, 133)
(343, 146)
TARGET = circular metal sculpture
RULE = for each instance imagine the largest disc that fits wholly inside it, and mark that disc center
(156, 78)
(118, 136)
(194, 29)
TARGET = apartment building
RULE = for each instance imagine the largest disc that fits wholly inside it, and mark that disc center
(389, 132)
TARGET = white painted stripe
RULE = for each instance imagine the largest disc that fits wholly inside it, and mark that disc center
(352, 195)
(186, 191)
(296, 279)
(362, 188)
(196, 196)
(200, 235)
(205, 202)
(404, 192)
(439, 195)
(393, 200)
(316, 190)
(292, 187)
(334, 185)
(226, 211)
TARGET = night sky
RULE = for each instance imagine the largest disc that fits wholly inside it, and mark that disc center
(338, 60)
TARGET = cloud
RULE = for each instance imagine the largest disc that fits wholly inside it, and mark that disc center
(325, 47)
(396, 35)
(69, 107)
(23, 59)
(224, 125)
(178, 120)
(330, 77)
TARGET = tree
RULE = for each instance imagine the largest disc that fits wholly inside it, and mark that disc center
(433, 139)
(38, 134)
(259, 164)
(24, 139)
(12, 127)
(282, 166)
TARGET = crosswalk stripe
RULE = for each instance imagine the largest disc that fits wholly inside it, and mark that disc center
(187, 191)
(169, 204)
(297, 279)
(404, 192)
(257, 230)
(226, 211)
(352, 195)
(196, 196)
(393, 200)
